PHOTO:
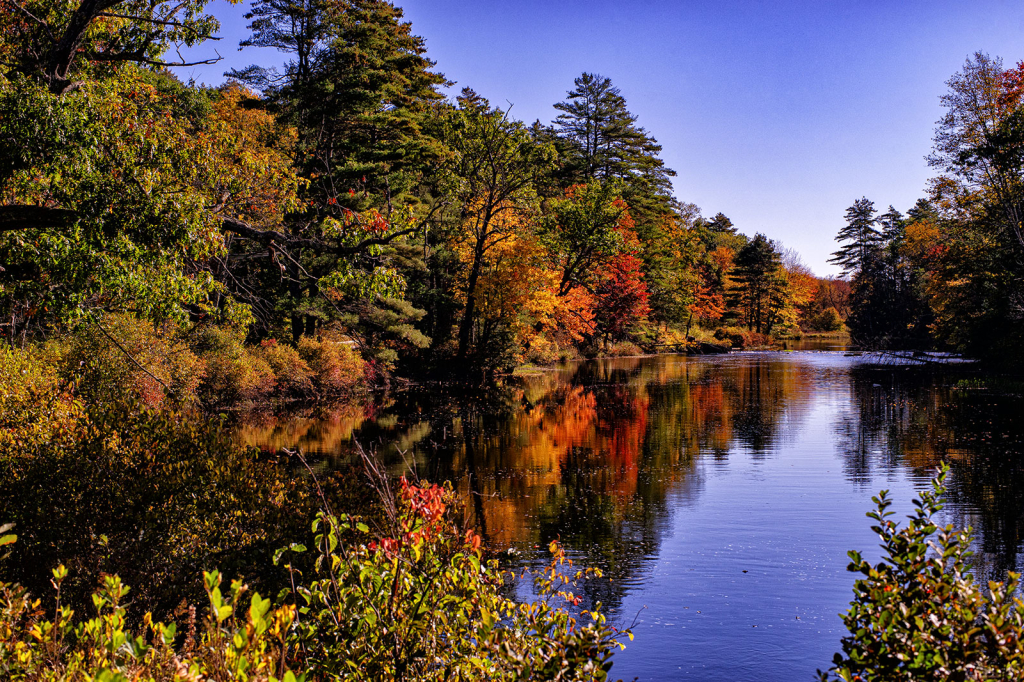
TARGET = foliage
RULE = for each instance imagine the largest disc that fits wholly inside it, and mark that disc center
(336, 366)
(918, 614)
(154, 497)
(120, 359)
(602, 141)
(341, 195)
(235, 643)
(420, 604)
(761, 290)
(949, 273)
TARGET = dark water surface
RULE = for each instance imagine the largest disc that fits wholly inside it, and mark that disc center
(721, 493)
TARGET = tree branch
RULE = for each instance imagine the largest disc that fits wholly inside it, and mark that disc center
(26, 217)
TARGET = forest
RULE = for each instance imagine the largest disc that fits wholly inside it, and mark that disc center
(172, 254)
(344, 199)
(947, 274)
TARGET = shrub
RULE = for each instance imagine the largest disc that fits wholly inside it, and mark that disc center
(918, 614)
(154, 497)
(543, 352)
(233, 374)
(623, 349)
(828, 320)
(337, 367)
(742, 338)
(35, 402)
(419, 604)
(235, 643)
(122, 359)
(293, 377)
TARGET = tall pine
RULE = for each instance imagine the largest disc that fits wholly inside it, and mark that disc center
(861, 235)
(601, 140)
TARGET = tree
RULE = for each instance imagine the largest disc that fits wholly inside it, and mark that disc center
(495, 161)
(861, 234)
(887, 298)
(761, 289)
(65, 43)
(969, 247)
(580, 233)
(602, 140)
(979, 142)
(358, 90)
(622, 297)
(720, 224)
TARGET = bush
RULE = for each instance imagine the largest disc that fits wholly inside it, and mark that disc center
(36, 404)
(233, 374)
(828, 320)
(336, 366)
(122, 359)
(919, 616)
(154, 497)
(623, 349)
(743, 338)
(543, 352)
(418, 604)
(292, 375)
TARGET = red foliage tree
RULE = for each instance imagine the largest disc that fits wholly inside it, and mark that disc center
(622, 297)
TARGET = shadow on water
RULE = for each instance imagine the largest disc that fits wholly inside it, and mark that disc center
(628, 462)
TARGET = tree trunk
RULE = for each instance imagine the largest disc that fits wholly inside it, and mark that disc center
(466, 327)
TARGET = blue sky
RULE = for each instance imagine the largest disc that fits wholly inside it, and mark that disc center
(778, 114)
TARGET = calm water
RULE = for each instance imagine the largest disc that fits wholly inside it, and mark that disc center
(719, 494)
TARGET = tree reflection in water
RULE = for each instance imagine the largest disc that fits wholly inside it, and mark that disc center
(914, 417)
(597, 453)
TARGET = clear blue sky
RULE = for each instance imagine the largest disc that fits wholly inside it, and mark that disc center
(778, 114)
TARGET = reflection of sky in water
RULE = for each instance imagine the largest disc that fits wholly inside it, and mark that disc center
(721, 493)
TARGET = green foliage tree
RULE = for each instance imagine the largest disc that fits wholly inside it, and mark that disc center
(761, 290)
(357, 90)
(862, 235)
(580, 232)
(67, 43)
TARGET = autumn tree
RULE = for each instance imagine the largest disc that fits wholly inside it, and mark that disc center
(491, 173)
(622, 297)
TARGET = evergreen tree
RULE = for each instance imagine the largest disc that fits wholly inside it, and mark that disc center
(861, 234)
(602, 140)
(889, 309)
(761, 290)
(358, 90)
(720, 224)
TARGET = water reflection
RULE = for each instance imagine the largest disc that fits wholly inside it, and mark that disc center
(919, 418)
(670, 473)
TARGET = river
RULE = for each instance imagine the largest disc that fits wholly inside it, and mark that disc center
(718, 494)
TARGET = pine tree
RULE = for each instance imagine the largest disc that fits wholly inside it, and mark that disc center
(720, 223)
(862, 235)
(603, 141)
(761, 290)
(358, 90)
